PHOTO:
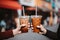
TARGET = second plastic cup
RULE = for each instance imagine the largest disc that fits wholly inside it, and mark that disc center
(36, 21)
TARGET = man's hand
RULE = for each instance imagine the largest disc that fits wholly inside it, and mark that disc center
(43, 30)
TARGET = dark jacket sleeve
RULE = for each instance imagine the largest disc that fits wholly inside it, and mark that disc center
(51, 35)
(6, 34)
(58, 32)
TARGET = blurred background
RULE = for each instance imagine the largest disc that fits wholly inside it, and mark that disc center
(11, 9)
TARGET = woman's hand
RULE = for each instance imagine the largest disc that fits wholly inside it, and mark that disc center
(18, 27)
(16, 31)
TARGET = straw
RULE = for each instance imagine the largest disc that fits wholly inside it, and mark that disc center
(23, 11)
(36, 11)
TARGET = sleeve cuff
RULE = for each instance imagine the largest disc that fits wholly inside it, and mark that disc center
(6, 34)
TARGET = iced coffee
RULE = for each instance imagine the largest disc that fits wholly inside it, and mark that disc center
(24, 20)
(36, 21)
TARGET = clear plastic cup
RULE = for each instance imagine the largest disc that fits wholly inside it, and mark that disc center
(36, 21)
(24, 20)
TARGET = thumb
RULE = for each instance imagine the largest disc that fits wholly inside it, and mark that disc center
(19, 32)
(19, 27)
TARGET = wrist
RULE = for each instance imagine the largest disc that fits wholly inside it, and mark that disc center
(14, 32)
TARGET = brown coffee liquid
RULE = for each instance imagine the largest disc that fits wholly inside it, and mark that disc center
(36, 22)
(24, 29)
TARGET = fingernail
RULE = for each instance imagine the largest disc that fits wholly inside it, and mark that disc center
(38, 26)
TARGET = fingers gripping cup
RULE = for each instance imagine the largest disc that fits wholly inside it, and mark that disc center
(24, 20)
(36, 21)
